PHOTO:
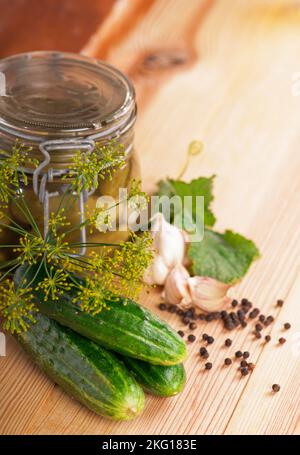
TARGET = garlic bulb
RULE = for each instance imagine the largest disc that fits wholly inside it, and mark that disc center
(168, 240)
(168, 250)
(176, 289)
(208, 293)
(157, 271)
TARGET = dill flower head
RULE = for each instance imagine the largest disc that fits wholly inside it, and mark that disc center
(54, 284)
(30, 249)
(90, 167)
(11, 170)
(16, 307)
(129, 263)
(57, 221)
(92, 296)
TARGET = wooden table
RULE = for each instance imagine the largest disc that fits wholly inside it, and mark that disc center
(224, 72)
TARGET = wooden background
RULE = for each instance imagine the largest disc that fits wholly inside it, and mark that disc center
(225, 72)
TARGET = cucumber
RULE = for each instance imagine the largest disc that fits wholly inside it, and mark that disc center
(164, 381)
(85, 370)
(126, 327)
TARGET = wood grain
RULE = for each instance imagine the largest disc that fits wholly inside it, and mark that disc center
(231, 88)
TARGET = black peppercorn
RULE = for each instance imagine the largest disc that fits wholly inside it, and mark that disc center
(257, 335)
(193, 326)
(234, 303)
(244, 324)
(228, 342)
(210, 340)
(191, 338)
(208, 366)
(282, 340)
(229, 325)
(180, 333)
(238, 354)
(186, 320)
(162, 306)
(254, 313)
(202, 350)
(172, 309)
(258, 327)
(275, 387)
(227, 361)
(224, 314)
(246, 355)
(205, 355)
(241, 315)
(287, 326)
(204, 336)
(267, 338)
(244, 371)
(280, 303)
(262, 318)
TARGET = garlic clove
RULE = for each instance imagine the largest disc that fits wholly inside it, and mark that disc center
(176, 289)
(207, 293)
(157, 271)
(168, 240)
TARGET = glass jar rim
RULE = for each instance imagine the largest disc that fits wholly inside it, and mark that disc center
(81, 97)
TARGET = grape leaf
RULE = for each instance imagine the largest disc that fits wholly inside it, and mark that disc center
(225, 257)
(201, 186)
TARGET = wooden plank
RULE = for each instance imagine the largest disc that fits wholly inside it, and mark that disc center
(259, 411)
(233, 91)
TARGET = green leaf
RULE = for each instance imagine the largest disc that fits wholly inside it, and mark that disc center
(225, 257)
(199, 187)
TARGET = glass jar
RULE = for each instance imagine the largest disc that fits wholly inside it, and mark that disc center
(57, 104)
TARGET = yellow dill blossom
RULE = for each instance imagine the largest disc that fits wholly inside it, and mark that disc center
(55, 284)
(58, 221)
(57, 250)
(16, 307)
(129, 263)
(111, 156)
(92, 296)
(30, 249)
(11, 170)
(90, 167)
(136, 189)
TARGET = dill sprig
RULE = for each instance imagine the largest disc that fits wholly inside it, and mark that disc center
(16, 307)
(94, 279)
(87, 168)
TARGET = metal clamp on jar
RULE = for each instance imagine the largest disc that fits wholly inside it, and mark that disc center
(57, 104)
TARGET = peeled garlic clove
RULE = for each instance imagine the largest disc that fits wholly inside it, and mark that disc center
(176, 289)
(207, 293)
(168, 240)
(157, 271)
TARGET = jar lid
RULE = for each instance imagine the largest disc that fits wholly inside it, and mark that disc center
(57, 94)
